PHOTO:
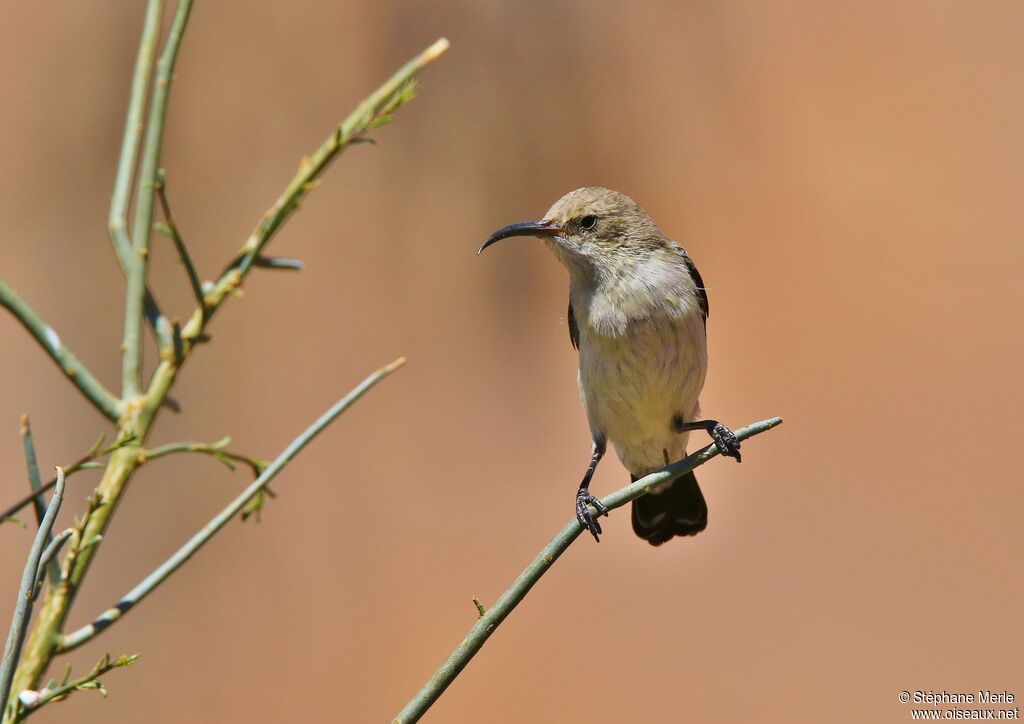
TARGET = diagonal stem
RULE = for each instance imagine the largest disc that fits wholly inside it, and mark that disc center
(179, 243)
(34, 481)
(79, 375)
(50, 553)
(164, 570)
(82, 683)
(374, 110)
(489, 621)
(86, 461)
(36, 484)
(26, 594)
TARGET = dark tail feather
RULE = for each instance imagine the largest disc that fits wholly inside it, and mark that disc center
(678, 510)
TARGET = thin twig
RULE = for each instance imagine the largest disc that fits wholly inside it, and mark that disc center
(86, 462)
(50, 552)
(36, 484)
(372, 112)
(32, 464)
(117, 222)
(214, 449)
(488, 622)
(179, 244)
(79, 375)
(144, 202)
(158, 576)
(26, 594)
(83, 683)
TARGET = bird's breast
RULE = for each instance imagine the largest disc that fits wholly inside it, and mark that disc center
(633, 383)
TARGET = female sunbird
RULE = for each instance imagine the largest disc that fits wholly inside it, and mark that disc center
(638, 313)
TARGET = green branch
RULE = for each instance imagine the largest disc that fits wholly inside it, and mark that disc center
(117, 221)
(26, 594)
(137, 413)
(373, 112)
(214, 449)
(86, 462)
(171, 230)
(50, 553)
(36, 483)
(492, 618)
(31, 701)
(75, 639)
(144, 201)
(76, 372)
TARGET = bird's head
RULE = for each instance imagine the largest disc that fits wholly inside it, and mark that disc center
(592, 230)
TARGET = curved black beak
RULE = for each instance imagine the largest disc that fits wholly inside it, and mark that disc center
(523, 228)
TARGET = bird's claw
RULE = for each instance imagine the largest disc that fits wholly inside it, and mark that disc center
(725, 441)
(583, 514)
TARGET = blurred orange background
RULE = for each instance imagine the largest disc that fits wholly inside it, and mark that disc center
(847, 177)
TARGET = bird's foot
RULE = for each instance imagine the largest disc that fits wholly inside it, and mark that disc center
(725, 441)
(583, 514)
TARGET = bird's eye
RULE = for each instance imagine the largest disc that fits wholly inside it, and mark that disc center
(588, 222)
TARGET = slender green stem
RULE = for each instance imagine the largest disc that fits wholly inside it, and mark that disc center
(42, 642)
(179, 244)
(26, 594)
(32, 464)
(375, 110)
(83, 683)
(372, 112)
(144, 201)
(117, 222)
(139, 413)
(50, 553)
(36, 484)
(35, 495)
(489, 621)
(75, 639)
(215, 449)
(87, 461)
(79, 375)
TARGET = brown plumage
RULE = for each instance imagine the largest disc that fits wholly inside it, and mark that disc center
(637, 317)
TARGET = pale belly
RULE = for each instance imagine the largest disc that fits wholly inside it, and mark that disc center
(633, 386)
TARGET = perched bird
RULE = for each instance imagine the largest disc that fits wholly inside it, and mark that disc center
(637, 316)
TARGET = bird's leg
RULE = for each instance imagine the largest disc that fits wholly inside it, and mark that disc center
(724, 438)
(585, 498)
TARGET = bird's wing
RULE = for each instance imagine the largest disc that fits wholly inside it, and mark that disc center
(574, 330)
(702, 293)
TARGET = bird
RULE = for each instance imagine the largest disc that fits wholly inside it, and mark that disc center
(637, 318)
